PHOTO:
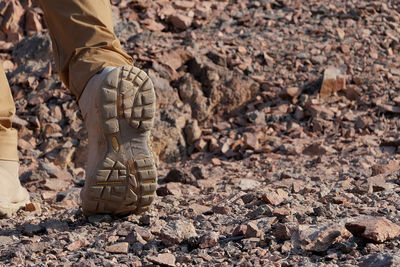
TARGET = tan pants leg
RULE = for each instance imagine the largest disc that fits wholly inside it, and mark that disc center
(83, 39)
(8, 135)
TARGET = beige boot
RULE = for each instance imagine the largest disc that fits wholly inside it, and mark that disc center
(12, 195)
(118, 106)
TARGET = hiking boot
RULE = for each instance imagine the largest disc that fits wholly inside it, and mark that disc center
(118, 106)
(12, 195)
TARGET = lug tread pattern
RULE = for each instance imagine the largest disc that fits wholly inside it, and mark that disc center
(139, 98)
(122, 188)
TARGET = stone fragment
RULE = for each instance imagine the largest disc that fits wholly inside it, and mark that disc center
(170, 189)
(121, 248)
(55, 184)
(100, 218)
(239, 230)
(54, 226)
(5, 240)
(11, 20)
(179, 176)
(376, 184)
(199, 172)
(64, 158)
(248, 184)
(176, 231)
(275, 197)
(32, 21)
(256, 117)
(375, 229)
(180, 21)
(317, 149)
(184, 4)
(290, 92)
(199, 209)
(208, 240)
(32, 229)
(152, 25)
(55, 172)
(48, 195)
(70, 194)
(391, 167)
(281, 211)
(381, 259)
(192, 131)
(252, 230)
(33, 207)
(251, 140)
(163, 259)
(221, 209)
(388, 108)
(333, 81)
(284, 231)
(320, 237)
(74, 245)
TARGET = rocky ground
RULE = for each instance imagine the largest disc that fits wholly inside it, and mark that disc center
(276, 137)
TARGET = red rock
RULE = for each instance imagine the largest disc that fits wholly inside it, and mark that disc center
(184, 4)
(164, 259)
(33, 207)
(199, 209)
(180, 21)
(283, 231)
(290, 92)
(340, 33)
(192, 131)
(334, 80)
(152, 25)
(176, 231)
(376, 184)
(320, 237)
(389, 108)
(120, 248)
(55, 184)
(252, 230)
(48, 195)
(12, 17)
(391, 167)
(216, 161)
(242, 50)
(317, 149)
(281, 211)
(200, 144)
(248, 184)
(74, 245)
(275, 197)
(376, 229)
(64, 158)
(32, 21)
(170, 188)
(221, 209)
(251, 140)
(208, 240)
(65, 204)
(239, 230)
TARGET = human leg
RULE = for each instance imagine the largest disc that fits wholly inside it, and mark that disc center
(117, 101)
(12, 195)
(83, 40)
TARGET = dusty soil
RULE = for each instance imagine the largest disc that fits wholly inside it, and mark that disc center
(277, 137)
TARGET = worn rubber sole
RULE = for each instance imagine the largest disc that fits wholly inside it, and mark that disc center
(9, 208)
(126, 179)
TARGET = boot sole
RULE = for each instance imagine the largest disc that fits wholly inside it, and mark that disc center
(126, 179)
(8, 209)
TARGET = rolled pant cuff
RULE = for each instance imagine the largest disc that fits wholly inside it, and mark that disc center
(9, 144)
